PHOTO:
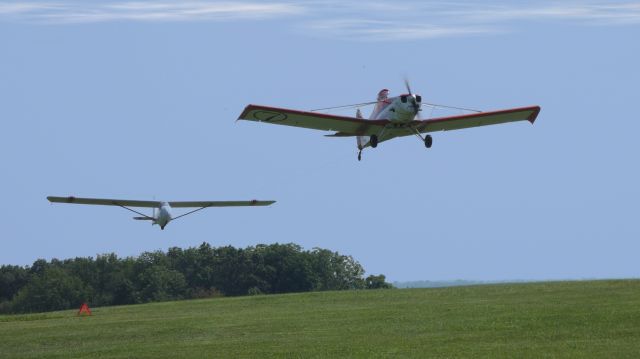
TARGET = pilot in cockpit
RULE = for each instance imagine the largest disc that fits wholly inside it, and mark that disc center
(383, 95)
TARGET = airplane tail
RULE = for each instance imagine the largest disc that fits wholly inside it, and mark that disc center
(152, 218)
(361, 140)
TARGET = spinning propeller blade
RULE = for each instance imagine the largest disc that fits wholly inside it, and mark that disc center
(416, 107)
(406, 84)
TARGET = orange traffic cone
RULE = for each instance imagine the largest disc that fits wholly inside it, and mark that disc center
(84, 308)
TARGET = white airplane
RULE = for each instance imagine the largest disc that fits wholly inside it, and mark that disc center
(161, 210)
(391, 117)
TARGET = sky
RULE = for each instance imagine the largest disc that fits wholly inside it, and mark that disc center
(139, 100)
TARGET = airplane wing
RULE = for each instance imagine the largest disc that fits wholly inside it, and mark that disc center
(479, 119)
(185, 204)
(156, 204)
(105, 201)
(347, 126)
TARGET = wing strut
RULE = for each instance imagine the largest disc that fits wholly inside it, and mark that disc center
(134, 211)
(195, 210)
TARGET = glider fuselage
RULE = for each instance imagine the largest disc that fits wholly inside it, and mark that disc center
(163, 215)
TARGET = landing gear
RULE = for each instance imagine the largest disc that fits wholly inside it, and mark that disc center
(359, 155)
(373, 141)
(428, 141)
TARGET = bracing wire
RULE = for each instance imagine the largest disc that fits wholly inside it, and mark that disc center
(432, 105)
(453, 107)
(345, 106)
(134, 211)
(356, 105)
(195, 210)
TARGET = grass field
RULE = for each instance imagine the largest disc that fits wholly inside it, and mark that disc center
(599, 319)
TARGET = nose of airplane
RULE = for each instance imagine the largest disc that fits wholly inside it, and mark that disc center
(411, 102)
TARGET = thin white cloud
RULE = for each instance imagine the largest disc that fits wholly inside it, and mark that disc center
(414, 20)
(379, 30)
(372, 20)
(150, 11)
(602, 13)
(23, 8)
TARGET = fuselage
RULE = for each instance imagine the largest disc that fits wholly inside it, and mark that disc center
(163, 216)
(403, 108)
(400, 110)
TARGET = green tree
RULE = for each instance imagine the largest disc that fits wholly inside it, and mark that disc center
(195, 272)
(377, 282)
(52, 289)
(12, 279)
(283, 267)
(159, 283)
(333, 271)
(232, 271)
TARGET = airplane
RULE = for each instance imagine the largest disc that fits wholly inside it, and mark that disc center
(391, 117)
(161, 210)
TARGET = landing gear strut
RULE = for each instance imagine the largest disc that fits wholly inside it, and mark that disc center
(428, 140)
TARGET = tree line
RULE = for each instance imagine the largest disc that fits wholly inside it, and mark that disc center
(195, 272)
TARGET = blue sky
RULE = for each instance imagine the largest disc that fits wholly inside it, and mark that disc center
(139, 99)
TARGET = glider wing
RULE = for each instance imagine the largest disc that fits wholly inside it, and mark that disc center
(184, 204)
(156, 204)
(105, 201)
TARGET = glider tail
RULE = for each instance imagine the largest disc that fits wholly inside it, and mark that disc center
(152, 218)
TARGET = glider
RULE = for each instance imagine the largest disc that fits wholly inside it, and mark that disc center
(391, 117)
(161, 210)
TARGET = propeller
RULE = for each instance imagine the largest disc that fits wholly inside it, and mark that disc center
(416, 107)
(406, 84)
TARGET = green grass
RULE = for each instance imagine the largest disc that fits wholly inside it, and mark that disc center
(598, 319)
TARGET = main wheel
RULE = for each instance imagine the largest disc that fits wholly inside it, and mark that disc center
(373, 141)
(428, 141)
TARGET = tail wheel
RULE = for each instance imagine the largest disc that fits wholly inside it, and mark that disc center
(428, 141)
(373, 141)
